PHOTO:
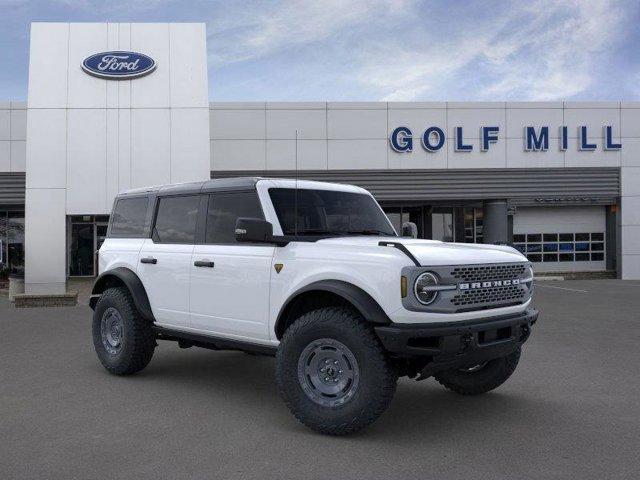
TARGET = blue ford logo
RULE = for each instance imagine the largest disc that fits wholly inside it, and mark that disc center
(118, 65)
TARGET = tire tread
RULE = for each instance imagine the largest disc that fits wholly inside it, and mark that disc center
(353, 324)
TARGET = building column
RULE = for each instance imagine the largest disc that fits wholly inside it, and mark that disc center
(45, 241)
(629, 267)
(495, 222)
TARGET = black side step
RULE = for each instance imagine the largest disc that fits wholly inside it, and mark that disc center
(211, 342)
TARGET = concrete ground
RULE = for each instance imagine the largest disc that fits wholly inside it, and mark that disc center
(571, 410)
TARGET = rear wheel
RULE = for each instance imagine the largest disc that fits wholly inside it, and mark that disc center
(332, 372)
(123, 340)
(480, 378)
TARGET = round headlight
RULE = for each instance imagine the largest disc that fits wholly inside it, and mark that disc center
(422, 288)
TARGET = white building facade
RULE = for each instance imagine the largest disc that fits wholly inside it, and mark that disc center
(559, 180)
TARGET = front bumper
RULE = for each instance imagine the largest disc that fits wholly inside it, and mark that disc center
(448, 345)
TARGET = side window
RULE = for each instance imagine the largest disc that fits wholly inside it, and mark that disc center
(176, 219)
(225, 209)
(129, 216)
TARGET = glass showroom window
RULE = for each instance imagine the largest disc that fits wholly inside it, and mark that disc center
(561, 247)
(11, 243)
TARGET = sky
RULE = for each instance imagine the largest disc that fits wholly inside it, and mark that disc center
(377, 50)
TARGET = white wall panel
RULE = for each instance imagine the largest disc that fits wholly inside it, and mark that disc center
(237, 124)
(472, 119)
(86, 161)
(357, 124)
(518, 118)
(113, 43)
(495, 157)
(295, 105)
(630, 267)
(418, 120)
(150, 147)
(630, 181)
(630, 120)
(592, 118)
(48, 62)
(281, 154)
(517, 157)
(311, 124)
(630, 239)
(190, 144)
(124, 149)
(598, 158)
(18, 156)
(416, 105)
(630, 153)
(630, 211)
(5, 124)
(188, 72)
(18, 124)
(86, 91)
(47, 148)
(419, 158)
(238, 155)
(5, 156)
(152, 91)
(45, 241)
(124, 86)
(357, 154)
(111, 154)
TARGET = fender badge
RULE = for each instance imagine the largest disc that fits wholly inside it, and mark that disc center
(278, 267)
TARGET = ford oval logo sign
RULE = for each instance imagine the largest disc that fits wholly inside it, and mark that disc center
(118, 65)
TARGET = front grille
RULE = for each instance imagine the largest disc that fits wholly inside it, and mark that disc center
(479, 273)
(491, 295)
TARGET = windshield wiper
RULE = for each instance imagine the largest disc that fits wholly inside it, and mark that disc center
(370, 232)
(317, 231)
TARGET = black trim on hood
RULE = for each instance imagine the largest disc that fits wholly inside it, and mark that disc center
(402, 248)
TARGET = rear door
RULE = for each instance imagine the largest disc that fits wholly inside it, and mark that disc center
(230, 280)
(165, 258)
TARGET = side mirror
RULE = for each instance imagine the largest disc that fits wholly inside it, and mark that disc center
(409, 229)
(253, 230)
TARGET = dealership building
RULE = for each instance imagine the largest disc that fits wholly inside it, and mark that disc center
(116, 106)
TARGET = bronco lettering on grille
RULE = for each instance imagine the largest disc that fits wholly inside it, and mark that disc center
(489, 284)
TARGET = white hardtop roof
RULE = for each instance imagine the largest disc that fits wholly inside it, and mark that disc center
(233, 183)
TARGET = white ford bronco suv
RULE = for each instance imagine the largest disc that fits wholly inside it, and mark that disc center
(315, 274)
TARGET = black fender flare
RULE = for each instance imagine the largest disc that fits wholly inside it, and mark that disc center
(133, 284)
(364, 303)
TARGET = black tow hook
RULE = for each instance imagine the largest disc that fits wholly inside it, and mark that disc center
(465, 342)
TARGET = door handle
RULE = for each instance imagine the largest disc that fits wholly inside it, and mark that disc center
(149, 260)
(203, 263)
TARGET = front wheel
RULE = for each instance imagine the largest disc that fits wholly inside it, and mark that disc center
(480, 378)
(332, 372)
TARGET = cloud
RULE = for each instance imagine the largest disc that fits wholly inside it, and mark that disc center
(260, 29)
(542, 51)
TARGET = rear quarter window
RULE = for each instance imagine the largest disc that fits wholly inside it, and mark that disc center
(129, 218)
(176, 219)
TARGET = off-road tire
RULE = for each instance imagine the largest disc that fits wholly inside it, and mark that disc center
(487, 378)
(137, 341)
(377, 377)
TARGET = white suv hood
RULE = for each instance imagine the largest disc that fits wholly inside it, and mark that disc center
(433, 252)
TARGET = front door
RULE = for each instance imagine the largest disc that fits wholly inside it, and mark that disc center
(229, 280)
(164, 260)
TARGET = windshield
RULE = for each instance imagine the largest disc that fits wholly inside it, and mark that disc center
(328, 212)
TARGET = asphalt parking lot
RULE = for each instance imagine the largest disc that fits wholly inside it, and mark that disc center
(571, 410)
